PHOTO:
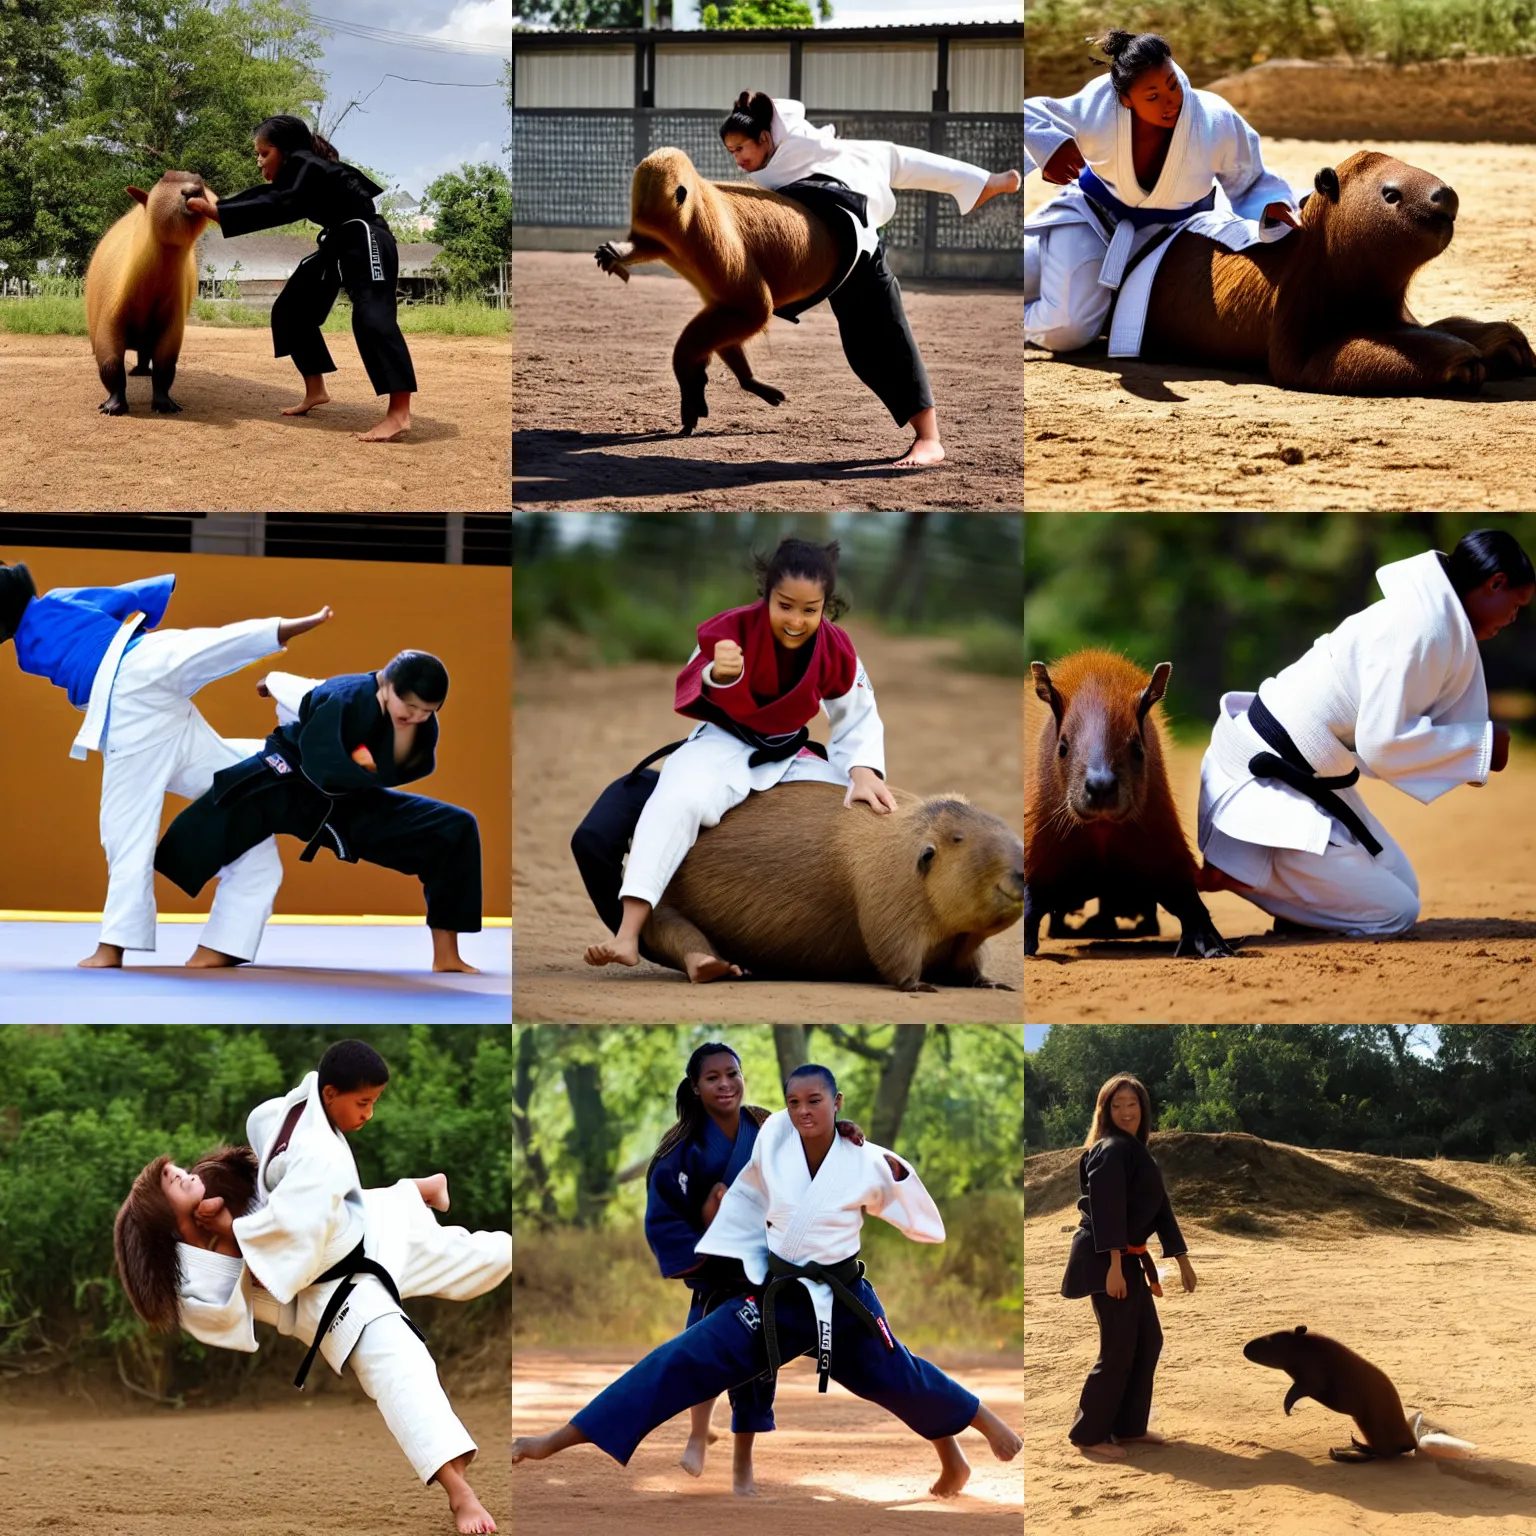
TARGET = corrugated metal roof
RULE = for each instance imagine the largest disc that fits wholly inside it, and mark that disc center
(910, 30)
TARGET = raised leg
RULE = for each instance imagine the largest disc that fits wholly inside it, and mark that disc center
(735, 358)
(715, 327)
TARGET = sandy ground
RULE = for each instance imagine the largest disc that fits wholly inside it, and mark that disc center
(271, 1471)
(1105, 434)
(578, 730)
(1448, 1316)
(230, 451)
(835, 1462)
(1471, 958)
(596, 411)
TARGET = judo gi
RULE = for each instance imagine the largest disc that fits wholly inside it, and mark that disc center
(1395, 692)
(776, 1211)
(135, 684)
(311, 1212)
(760, 743)
(676, 1191)
(305, 782)
(357, 252)
(1078, 247)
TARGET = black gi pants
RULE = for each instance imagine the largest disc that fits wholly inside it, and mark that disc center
(361, 256)
(877, 341)
(1117, 1396)
(438, 843)
(601, 841)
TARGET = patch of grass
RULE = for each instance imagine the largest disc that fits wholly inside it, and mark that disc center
(993, 648)
(47, 315)
(231, 313)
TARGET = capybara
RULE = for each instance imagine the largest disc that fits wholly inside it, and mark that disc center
(139, 286)
(1325, 308)
(1099, 818)
(794, 885)
(1335, 1376)
(747, 250)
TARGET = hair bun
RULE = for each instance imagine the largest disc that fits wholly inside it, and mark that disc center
(1114, 42)
(744, 101)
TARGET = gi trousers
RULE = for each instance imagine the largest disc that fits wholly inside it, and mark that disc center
(156, 743)
(1117, 1396)
(1065, 306)
(726, 1349)
(361, 256)
(752, 1401)
(877, 341)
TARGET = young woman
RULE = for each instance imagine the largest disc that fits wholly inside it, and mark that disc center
(1138, 152)
(774, 144)
(793, 1218)
(306, 179)
(756, 679)
(1123, 1203)
(1396, 692)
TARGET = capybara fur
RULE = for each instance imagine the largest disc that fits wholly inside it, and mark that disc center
(796, 886)
(1099, 819)
(1325, 307)
(747, 250)
(140, 285)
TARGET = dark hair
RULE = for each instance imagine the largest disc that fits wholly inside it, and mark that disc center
(1486, 553)
(422, 676)
(286, 134)
(352, 1064)
(752, 115)
(691, 1113)
(810, 562)
(811, 1069)
(1103, 1125)
(1131, 55)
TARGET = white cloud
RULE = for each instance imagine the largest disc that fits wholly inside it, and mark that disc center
(478, 21)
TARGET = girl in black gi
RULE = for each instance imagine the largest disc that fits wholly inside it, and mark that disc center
(307, 180)
(1123, 1202)
(324, 776)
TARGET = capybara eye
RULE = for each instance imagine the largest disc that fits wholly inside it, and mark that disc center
(1062, 748)
(1391, 194)
(1137, 750)
(681, 195)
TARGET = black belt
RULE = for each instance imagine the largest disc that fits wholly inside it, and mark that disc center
(356, 1263)
(764, 750)
(1292, 768)
(840, 1277)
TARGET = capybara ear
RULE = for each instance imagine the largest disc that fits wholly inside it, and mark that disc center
(1327, 182)
(1046, 690)
(138, 194)
(1154, 690)
(925, 858)
(681, 195)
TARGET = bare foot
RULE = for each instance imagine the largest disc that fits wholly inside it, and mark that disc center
(1004, 1442)
(108, 957)
(956, 1471)
(1209, 878)
(692, 1459)
(434, 1190)
(470, 1516)
(924, 451)
(617, 952)
(445, 953)
(535, 1447)
(702, 967)
(456, 963)
(998, 183)
(1152, 1437)
(312, 398)
(1103, 1452)
(205, 959)
(395, 424)
(743, 1483)
(288, 628)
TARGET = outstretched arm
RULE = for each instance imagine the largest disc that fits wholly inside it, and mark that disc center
(617, 256)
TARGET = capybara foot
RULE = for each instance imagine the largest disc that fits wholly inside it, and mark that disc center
(616, 952)
(205, 959)
(108, 957)
(1503, 346)
(1464, 372)
(924, 452)
(994, 986)
(113, 405)
(1203, 944)
(163, 405)
(916, 986)
(695, 406)
(765, 391)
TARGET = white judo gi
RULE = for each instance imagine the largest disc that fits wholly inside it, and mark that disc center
(153, 741)
(709, 775)
(310, 1214)
(1074, 264)
(1396, 690)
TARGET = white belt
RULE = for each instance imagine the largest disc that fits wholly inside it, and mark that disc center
(89, 737)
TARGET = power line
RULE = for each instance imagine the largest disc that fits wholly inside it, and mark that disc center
(419, 40)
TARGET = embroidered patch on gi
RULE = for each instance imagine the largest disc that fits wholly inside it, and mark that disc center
(682, 1182)
(748, 1315)
(885, 1333)
(824, 1352)
(277, 762)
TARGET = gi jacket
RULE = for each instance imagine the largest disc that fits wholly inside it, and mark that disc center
(307, 186)
(676, 1191)
(1123, 1203)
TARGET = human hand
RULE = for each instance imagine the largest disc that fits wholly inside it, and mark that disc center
(728, 662)
(867, 785)
(1282, 213)
(712, 1203)
(1114, 1282)
(212, 1216)
(207, 204)
(262, 691)
(364, 758)
(1186, 1272)
(1500, 749)
(851, 1131)
(1065, 164)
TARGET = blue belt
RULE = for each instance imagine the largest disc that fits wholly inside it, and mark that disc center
(1141, 218)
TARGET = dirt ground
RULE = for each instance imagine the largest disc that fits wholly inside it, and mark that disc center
(1470, 959)
(835, 1462)
(596, 416)
(1447, 1314)
(577, 730)
(269, 1471)
(1106, 434)
(231, 451)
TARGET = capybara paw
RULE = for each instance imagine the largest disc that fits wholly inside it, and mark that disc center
(164, 405)
(994, 986)
(1465, 372)
(112, 406)
(765, 392)
(1203, 944)
(916, 986)
(1511, 355)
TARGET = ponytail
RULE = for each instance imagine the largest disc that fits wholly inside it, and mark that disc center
(286, 134)
(752, 115)
(691, 1114)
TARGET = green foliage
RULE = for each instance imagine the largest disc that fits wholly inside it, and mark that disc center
(740, 14)
(1365, 1088)
(62, 315)
(472, 209)
(573, 15)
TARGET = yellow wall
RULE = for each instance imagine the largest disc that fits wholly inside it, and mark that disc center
(50, 852)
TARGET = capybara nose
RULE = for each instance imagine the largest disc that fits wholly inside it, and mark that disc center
(1100, 788)
(1444, 200)
(1014, 883)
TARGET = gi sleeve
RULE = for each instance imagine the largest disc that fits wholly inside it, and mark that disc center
(1107, 1195)
(326, 756)
(858, 734)
(1167, 1229)
(905, 1203)
(1249, 187)
(215, 1301)
(1049, 121)
(266, 206)
(287, 691)
(287, 1240)
(671, 1227)
(150, 596)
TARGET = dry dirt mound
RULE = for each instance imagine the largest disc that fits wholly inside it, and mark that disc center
(1242, 1184)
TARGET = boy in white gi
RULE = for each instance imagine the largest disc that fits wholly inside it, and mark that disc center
(135, 684)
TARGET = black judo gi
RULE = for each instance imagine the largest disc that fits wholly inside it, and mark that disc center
(305, 784)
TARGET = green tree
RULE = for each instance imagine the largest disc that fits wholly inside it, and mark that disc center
(472, 209)
(573, 15)
(739, 14)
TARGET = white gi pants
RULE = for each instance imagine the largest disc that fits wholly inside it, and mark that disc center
(157, 742)
(920, 170)
(1064, 304)
(706, 777)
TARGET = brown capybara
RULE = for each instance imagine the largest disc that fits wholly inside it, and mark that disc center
(1099, 819)
(747, 250)
(139, 286)
(1335, 1376)
(1325, 308)
(794, 885)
